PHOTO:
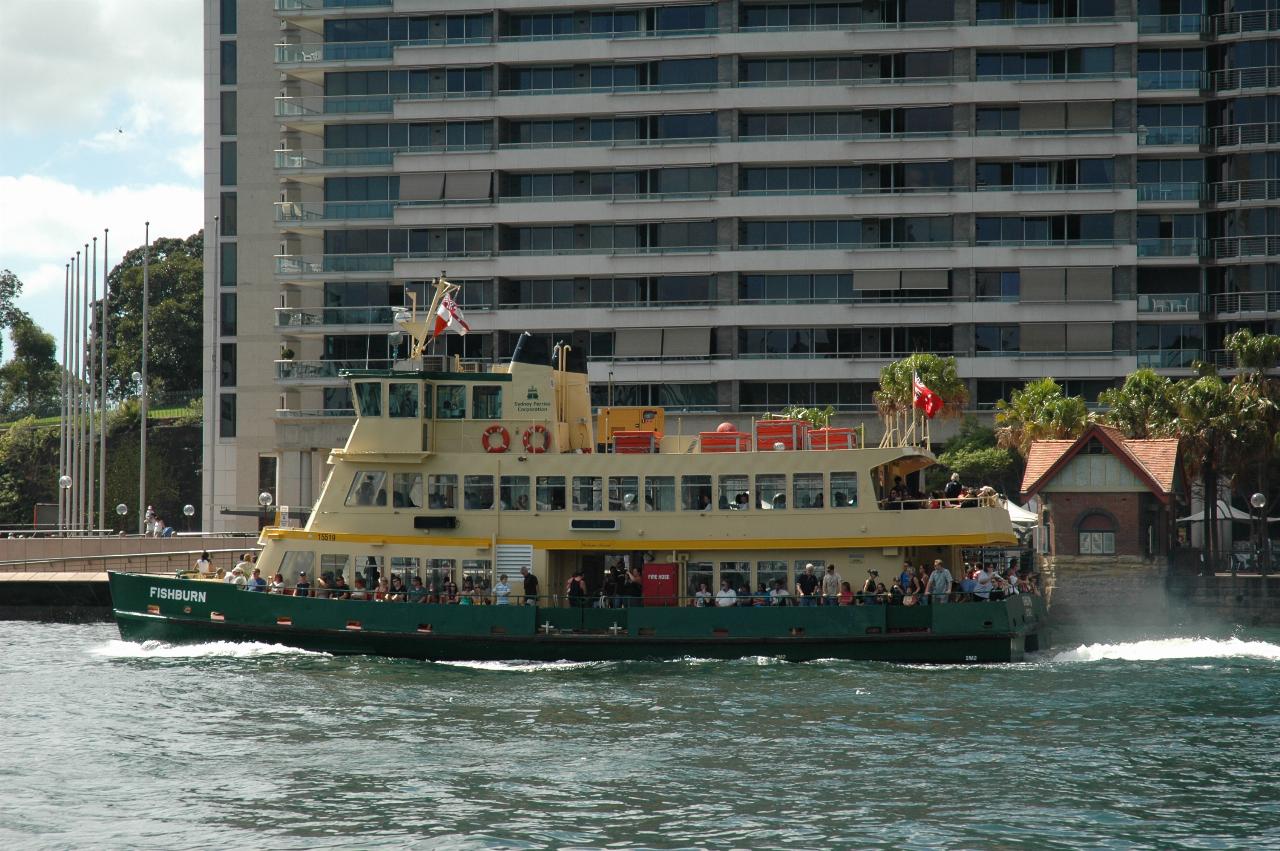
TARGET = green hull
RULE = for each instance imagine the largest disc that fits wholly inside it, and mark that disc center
(186, 611)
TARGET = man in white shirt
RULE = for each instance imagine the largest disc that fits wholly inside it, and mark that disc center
(780, 595)
(939, 583)
(985, 580)
(726, 596)
(831, 586)
(502, 591)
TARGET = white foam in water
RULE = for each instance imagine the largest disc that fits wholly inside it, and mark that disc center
(117, 649)
(525, 667)
(1172, 648)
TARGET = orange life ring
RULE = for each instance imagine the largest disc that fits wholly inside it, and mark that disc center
(528, 439)
(495, 446)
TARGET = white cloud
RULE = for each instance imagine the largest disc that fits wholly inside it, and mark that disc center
(84, 66)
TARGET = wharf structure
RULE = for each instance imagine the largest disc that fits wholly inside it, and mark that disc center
(728, 207)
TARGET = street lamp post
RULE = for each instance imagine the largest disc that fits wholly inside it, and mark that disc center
(188, 510)
(64, 485)
(1262, 543)
(142, 455)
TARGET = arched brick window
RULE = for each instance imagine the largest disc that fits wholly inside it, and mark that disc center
(1097, 534)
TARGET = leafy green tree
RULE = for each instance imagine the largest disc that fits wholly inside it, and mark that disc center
(28, 470)
(1208, 424)
(1039, 411)
(30, 382)
(10, 313)
(1257, 392)
(176, 286)
(939, 374)
(975, 454)
(816, 417)
(1145, 406)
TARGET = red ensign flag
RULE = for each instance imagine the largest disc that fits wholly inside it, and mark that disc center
(449, 315)
(924, 398)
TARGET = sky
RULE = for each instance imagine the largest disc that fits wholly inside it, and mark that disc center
(100, 127)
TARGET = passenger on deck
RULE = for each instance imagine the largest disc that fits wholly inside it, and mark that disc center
(846, 594)
(701, 597)
(897, 593)
(762, 597)
(341, 590)
(277, 584)
(322, 587)
(417, 593)
(742, 502)
(230, 578)
(831, 586)
(204, 565)
(939, 583)
(807, 586)
(360, 591)
(303, 588)
(382, 591)
(256, 582)
(397, 594)
(904, 577)
(726, 596)
(576, 590)
(530, 587)
(984, 583)
(780, 596)
(867, 595)
(745, 599)
(243, 563)
(502, 591)
(953, 489)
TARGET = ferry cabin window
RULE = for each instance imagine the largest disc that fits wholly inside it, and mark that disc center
(513, 493)
(439, 571)
(701, 573)
(772, 572)
(844, 490)
(371, 568)
(479, 571)
(369, 398)
(738, 574)
(586, 493)
(734, 493)
(477, 492)
(296, 562)
(695, 493)
(624, 493)
(402, 400)
(406, 567)
(486, 403)
(660, 493)
(332, 566)
(368, 489)
(806, 490)
(442, 491)
(426, 401)
(771, 490)
(550, 495)
(451, 402)
(406, 490)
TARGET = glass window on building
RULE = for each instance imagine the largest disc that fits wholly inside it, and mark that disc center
(844, 490)
(228, 257)
(550, 493)
(406, 490)
(477, 493)
(227, 63)
(660, 493)
(807, 490)
(227, 113)
(369, 398)
(227, 17)
(586, 493)
(486, 403)
(735, 493)
(695, 493)
(229, 216)
(227, 164)
(451, 401)
(513, 493)
(227, 415)
(442, 491)
(402, 400)
(368, 488)
(624, 493)
(771, 490)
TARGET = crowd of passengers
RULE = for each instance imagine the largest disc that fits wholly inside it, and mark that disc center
(902, 496)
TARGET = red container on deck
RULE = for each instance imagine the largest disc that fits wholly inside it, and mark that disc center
(724, 441)
(636, 442)
(792, 434)
(833, 438)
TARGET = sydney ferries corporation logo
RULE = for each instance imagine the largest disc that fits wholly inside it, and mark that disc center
(532, 403)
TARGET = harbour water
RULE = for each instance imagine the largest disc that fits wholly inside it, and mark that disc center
(1167, 742)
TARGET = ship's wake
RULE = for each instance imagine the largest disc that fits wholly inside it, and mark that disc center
(1161, 649)
(117, 649)
(523, 667)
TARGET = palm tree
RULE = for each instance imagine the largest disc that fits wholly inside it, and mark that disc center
(1039, 411)
(1145, 406)
(896, 396)
(1208, 423)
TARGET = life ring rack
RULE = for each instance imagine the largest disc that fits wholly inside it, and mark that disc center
(529, 446)
(502, 444)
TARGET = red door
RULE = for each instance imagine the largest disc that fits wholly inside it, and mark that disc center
(661, 584)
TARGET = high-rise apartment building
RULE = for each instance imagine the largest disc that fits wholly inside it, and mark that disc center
(730, 207)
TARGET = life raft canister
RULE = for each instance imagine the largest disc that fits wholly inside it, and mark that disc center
(496, 439)
(542, 445)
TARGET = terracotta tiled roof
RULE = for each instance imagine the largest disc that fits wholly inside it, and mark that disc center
(1043, 455)
(1159, 457)
(1153, 460)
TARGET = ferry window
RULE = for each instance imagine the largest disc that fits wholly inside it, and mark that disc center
(735, 493)
(486, 403)
(371, 568)
(738, 573)
(368, 488)
(296, 562)
(477, 492)
(844, 490)
(406, 490)
(479, 572)
(332, 566)
(695, 493)
(624, 493)
(698, 574)
(369, 398)
(513, 493)
(451, 402)
(550, 495)
(406, 567)
(771, 573)
(439, 571)
(586, 493)
(660, 493)
(426, 401)
(771, 490)
(442, 491)
(402, 400)
(806, 490)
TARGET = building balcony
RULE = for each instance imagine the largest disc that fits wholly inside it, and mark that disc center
(1187, 191)
(1232, 247)
(1240, 303)
(1171, 24)
(1048, 243)
(1243, 135)
(1166, 136)
(1236, 23)
(1237, 79)
(1168, 302)
(1177, 246)
(1243, 191)
(322, 371)
(288, 6)
(323, 319)
(330, 212)
(1169, 358)
(1052, 187)
(315, 413)
(295, 267)
(1171, 81)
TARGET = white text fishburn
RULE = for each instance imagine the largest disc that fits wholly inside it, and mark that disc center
(181, 594)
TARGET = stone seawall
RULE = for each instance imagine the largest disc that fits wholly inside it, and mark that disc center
(1089, 591)
(1242, 599)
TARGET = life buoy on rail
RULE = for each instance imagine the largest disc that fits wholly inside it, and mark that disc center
(502, 442)
(542, 445)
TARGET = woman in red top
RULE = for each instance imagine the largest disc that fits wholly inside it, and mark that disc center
(846, 594)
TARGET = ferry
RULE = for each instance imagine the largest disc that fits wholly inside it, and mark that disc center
(454, 477)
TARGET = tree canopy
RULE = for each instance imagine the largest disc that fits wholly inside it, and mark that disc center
(1145, 406)
(1039, 411)
(939, 374)
(10, 313)
(974, 453)
(30, 383)
(176, 285)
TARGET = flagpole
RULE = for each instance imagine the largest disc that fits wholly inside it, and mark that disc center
(93, 385)
(102, 431)
(77, 465)
(142, 395)
(85, 439)
(62, 420)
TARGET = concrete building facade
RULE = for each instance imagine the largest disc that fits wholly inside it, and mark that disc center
(731, 207)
